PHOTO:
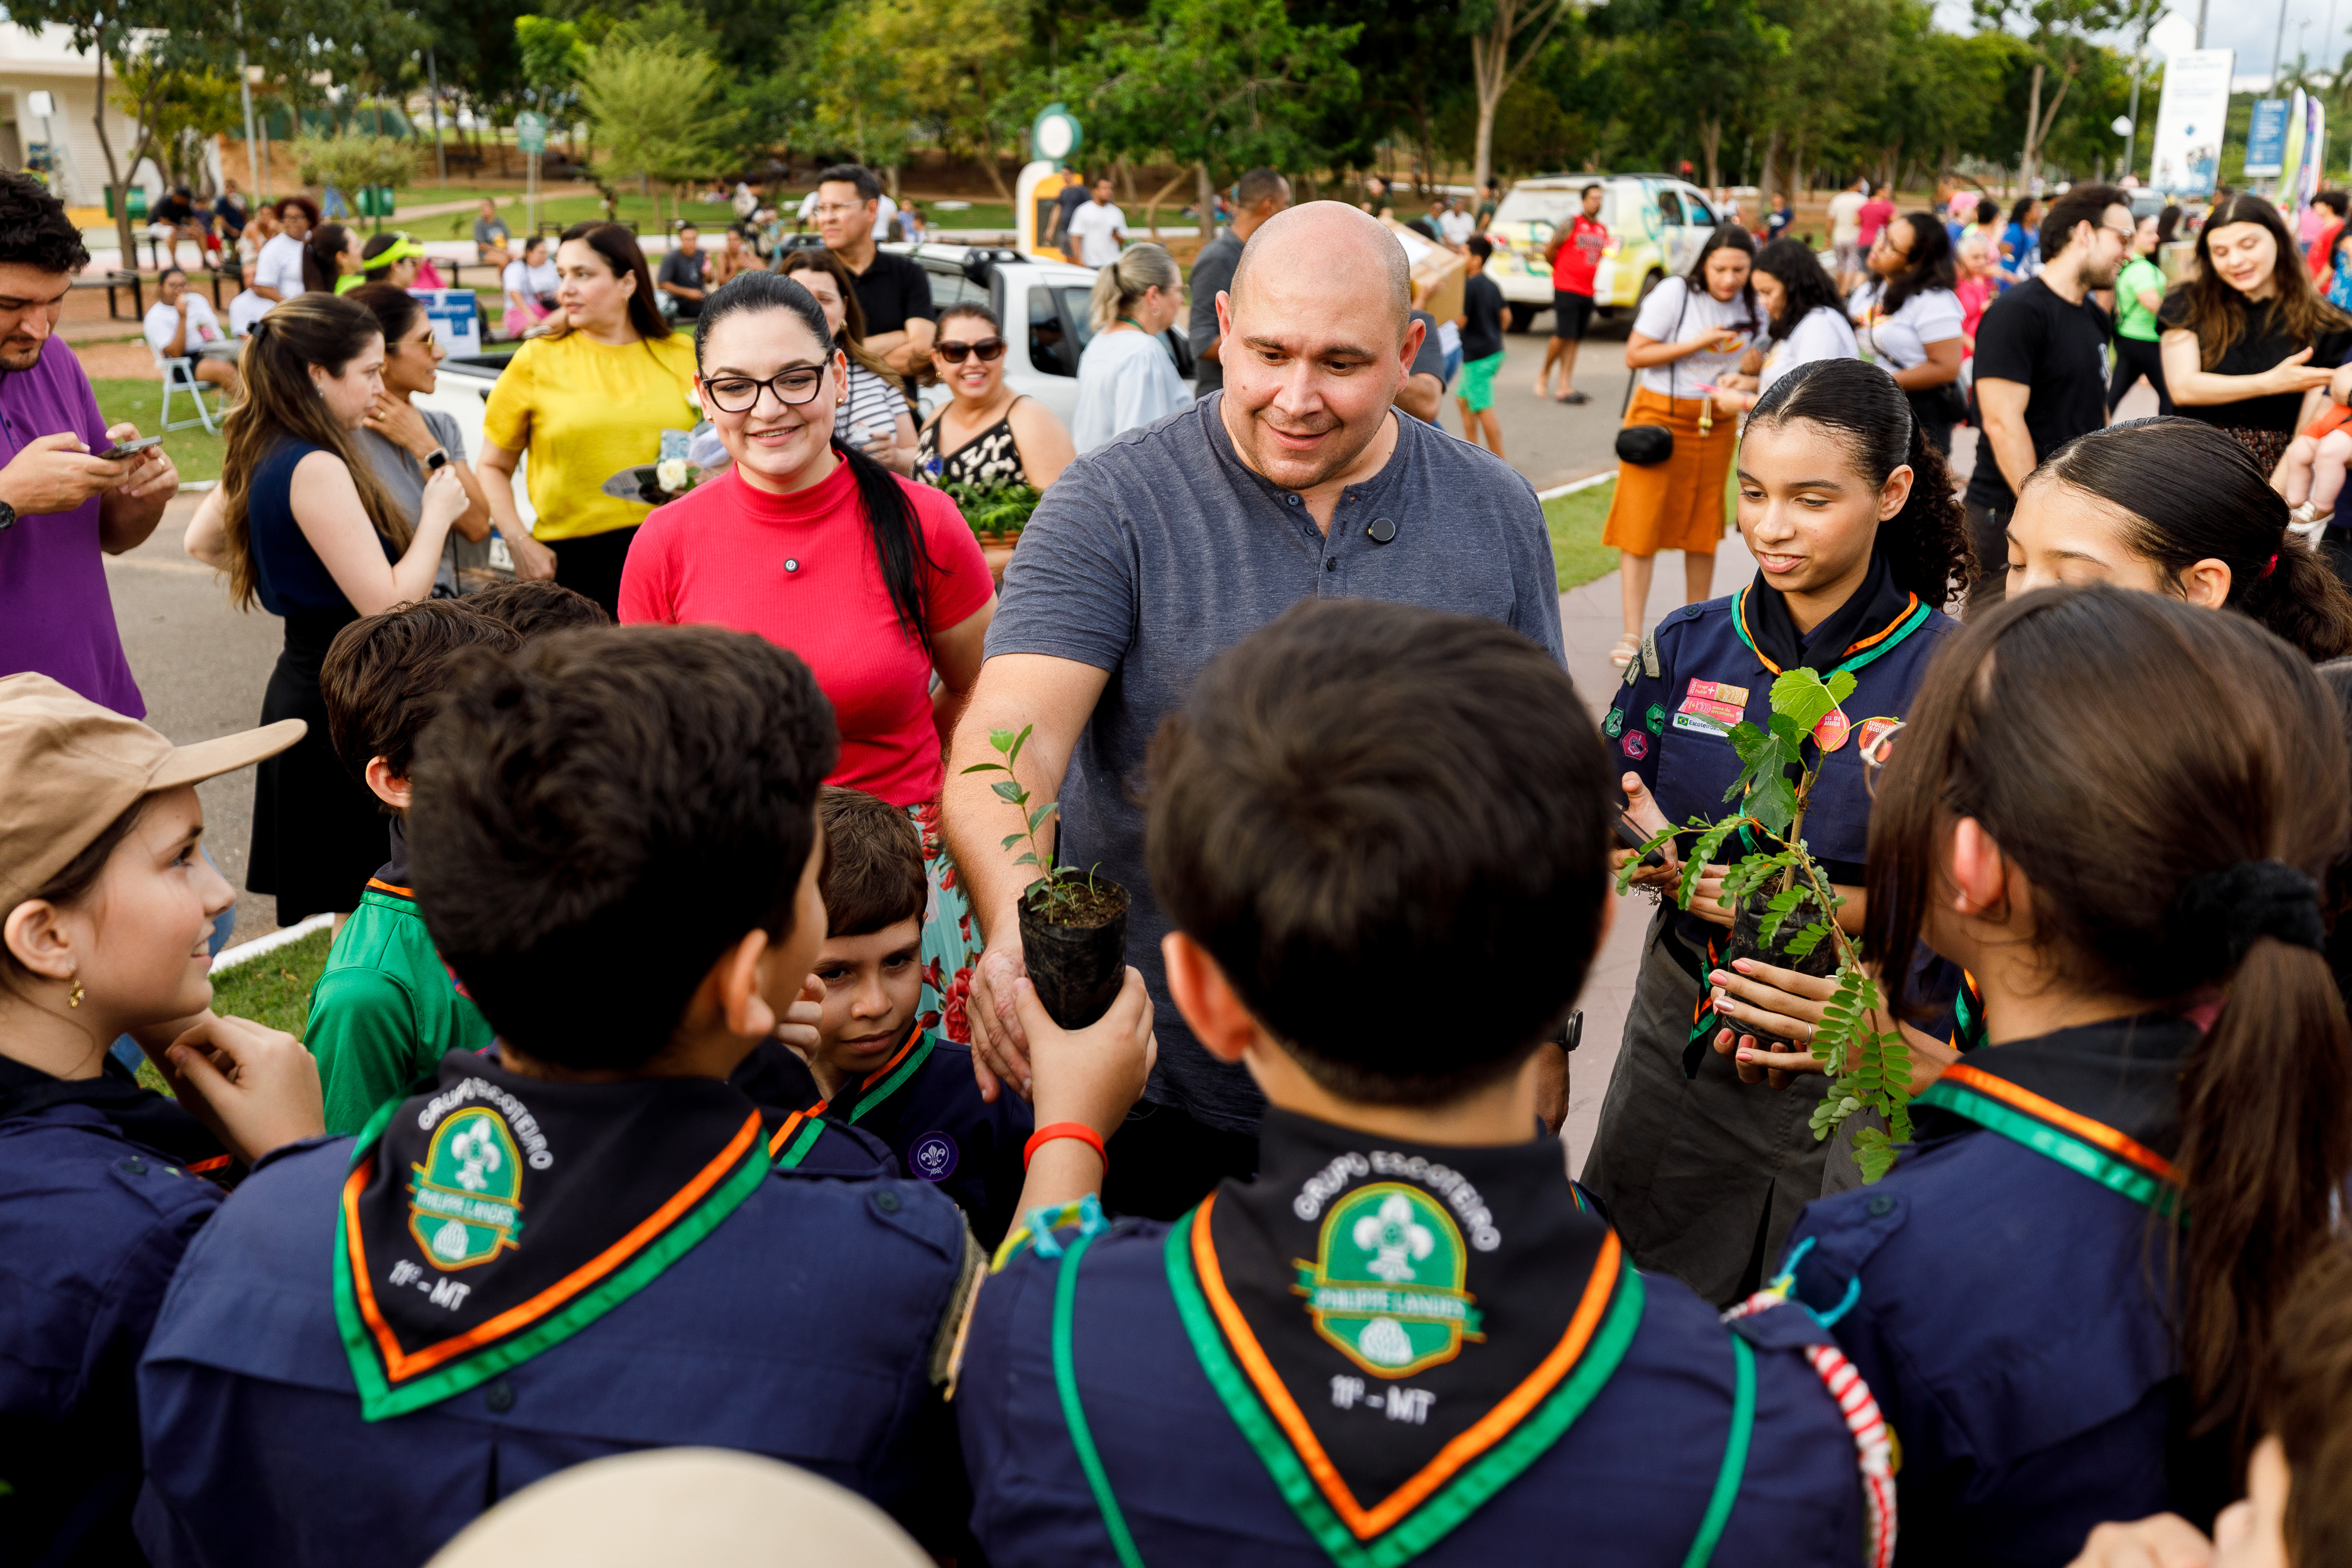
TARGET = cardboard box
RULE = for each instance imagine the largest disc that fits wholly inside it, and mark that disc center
(1438, 273)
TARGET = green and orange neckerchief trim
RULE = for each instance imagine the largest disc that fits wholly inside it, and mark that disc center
(802, 1129)
(2087, 1147)
(1875, 645)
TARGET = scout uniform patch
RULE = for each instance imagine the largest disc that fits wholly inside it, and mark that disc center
(1386, 1283)
(498, 1215)
(1412, 1367)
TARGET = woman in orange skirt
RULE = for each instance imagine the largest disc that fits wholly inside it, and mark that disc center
(1691, 330)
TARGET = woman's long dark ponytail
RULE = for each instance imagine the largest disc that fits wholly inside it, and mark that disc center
(889, 516)
(2171, 783)
(1926, 543)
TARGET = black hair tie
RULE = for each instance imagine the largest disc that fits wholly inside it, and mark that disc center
(2251, 898)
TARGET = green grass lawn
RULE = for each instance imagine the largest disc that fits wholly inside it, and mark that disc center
(1575, 522)
(274, 989)
(196, 454)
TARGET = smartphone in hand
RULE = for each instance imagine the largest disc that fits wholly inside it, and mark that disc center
(1635, 838)
(117, 453)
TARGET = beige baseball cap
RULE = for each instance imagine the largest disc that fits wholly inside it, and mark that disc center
(707, 1506)
(69, 767)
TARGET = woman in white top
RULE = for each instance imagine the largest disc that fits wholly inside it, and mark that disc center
(1127, 378)
(1690, 332)
(278, 272)
(1805, 321)
(528, 302)
(1907, 319)
(872, 416)
(181, 325)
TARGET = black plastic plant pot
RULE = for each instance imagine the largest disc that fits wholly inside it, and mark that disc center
(1747, 942)
(1077, 967)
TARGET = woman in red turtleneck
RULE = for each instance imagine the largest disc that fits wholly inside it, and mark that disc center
(874, 582)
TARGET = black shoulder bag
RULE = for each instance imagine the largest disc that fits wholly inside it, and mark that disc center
(1646, 446)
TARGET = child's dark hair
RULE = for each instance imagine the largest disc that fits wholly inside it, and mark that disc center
(1361, 792)
(889, 515)
(602, 815)
(2311, 1408)
(2190, 493)
(384, 677)
(872, 863)
(534, 606)
(1804, 287)
(2167, 860)
(1926, 543)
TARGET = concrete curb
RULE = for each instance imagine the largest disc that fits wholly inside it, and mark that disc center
(247, 952)
(1586, 483)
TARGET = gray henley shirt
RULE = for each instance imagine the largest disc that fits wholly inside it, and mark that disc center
(1152, 555)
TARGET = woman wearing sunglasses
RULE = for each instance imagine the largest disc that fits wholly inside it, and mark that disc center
(987, 434)
(874, 417)
(808, 543)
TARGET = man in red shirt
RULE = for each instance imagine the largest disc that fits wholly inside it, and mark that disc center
(2322, 256)
(1875, 215)
(1575, 256)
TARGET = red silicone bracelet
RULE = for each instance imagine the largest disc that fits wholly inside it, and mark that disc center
(1053, 1129)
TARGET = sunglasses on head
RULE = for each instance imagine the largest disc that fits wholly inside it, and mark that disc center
(986, 348)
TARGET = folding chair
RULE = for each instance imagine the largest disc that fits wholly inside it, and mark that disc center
(180, 375)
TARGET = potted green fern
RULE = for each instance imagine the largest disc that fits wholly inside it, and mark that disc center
(1785, 910)
(1073, 922)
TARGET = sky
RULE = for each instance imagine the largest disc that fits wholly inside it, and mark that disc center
(2248, 26)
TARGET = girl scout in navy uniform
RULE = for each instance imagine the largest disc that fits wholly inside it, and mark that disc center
(1405, 1341)
(2065, 1295)
(1858, 540)
(104, 906)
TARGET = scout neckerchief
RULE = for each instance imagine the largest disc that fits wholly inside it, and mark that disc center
(2100, 1100)
(497, 1215)
(1876, 618)
(791, 1141)
(1968, 1015)
(1392, 1364)
(138, 1113)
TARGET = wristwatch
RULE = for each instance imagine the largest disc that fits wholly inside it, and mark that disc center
(437, 460)
(8, 516)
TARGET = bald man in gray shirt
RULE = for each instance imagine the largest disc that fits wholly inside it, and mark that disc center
(1152, 555)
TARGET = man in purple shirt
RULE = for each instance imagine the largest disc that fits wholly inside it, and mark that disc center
(60, 504)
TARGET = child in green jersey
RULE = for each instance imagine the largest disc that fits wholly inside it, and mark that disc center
(386, 1008)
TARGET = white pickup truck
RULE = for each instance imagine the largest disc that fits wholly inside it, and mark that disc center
(1042, 305)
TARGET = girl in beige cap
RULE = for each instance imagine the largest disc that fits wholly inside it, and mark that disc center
(105, 905)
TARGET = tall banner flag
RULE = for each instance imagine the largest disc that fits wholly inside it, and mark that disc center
(2190, 120)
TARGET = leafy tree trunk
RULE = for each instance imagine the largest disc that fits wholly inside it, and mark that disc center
(113, 176)
(1204, 197)
(2031, 161)
(1766, 177)
(1493, 69)
(1151, 208)
(1710, 143)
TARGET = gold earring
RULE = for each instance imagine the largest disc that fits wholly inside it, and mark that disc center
(73, 997)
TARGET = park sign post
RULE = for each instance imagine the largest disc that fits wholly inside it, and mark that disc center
(2266, 138)
(530, 135)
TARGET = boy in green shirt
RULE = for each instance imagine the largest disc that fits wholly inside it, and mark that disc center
(387, 1009)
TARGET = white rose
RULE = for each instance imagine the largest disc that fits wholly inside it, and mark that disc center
(670, 474)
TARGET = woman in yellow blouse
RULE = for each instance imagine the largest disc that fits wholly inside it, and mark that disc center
(586, 399)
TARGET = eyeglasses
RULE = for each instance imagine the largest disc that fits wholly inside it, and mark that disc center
(2126, 234)
(988, 349)
(741, 393)
(837, 209)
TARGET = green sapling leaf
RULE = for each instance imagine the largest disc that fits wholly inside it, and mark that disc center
(1038, 816)
(1800, 696)
(987, 768)
(1010, 839)
(1000, 738)
(1841, 685)
(1018, 741)
(1006, 789)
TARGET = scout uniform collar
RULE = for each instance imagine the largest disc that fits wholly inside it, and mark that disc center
(393, 878)
(497, 1215)
(2102, 1100)
(791, 1140)
(137, 1112)
(1399, 1331)
(1868, 625)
